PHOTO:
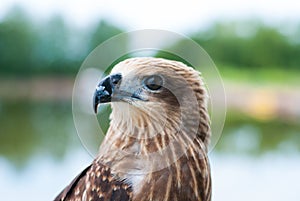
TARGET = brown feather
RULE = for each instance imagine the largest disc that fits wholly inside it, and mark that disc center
(96, 183)
(154, 150)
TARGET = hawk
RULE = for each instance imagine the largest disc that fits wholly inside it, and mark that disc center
(156, 146)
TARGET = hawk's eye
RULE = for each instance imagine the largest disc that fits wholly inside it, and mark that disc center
(153, 82)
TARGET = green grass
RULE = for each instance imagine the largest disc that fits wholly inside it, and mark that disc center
(267, 75)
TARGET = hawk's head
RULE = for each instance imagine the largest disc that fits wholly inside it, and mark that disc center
(149, 95)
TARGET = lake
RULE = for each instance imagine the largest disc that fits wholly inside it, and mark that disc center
(40, 153)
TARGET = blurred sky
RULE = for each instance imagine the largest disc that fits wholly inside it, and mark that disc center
(183, 16)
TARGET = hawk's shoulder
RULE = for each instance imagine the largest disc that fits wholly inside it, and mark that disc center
(96, 182)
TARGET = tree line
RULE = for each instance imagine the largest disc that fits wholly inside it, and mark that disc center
(28, 47)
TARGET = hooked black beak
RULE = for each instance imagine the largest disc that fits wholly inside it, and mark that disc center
(105, 89)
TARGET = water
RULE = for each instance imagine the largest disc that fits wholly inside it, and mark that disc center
(40, 153)
(270, 177)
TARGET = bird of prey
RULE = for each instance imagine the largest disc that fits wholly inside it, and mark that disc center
(156, 146)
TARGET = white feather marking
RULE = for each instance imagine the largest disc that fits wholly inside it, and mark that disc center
(136, 180)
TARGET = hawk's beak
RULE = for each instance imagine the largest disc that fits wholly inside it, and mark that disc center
(105, 90)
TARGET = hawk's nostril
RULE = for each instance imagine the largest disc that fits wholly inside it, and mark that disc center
(115, 78)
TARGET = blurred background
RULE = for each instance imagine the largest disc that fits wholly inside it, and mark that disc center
(255, 45)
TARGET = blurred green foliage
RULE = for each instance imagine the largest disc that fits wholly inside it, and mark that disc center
(30, 47)
(249, 44)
